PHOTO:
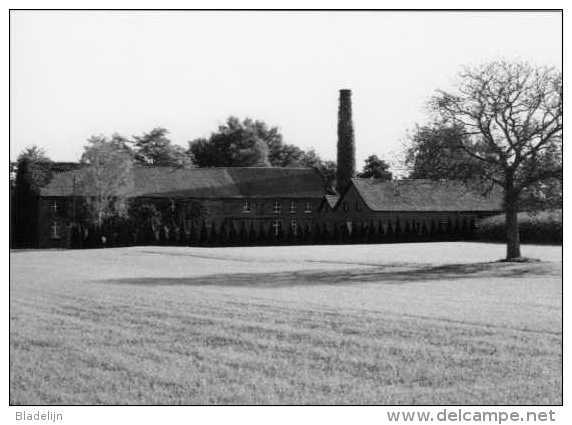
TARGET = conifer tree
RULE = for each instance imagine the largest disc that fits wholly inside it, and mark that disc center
(243, 234)
(213, 237)
(252, 236)
(203, 237)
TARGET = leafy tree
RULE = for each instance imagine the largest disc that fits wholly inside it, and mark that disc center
(511, 114)
(543, 195)
(39, 166)
(375, 168)
(285, 155)
(155, 148)
(328, 169)
(280, 154)
(436, 152)
(32, 171)
(106, 179)
(235, 144)
(253, 143)
(34, 153)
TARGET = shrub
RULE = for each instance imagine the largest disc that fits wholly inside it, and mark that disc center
(538, 227)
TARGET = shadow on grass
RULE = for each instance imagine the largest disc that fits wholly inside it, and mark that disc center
(383, 275)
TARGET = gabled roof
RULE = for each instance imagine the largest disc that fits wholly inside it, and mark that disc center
(238, 182)
(424, 195)
(332, 200)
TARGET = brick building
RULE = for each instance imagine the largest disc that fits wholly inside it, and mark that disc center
(221, 203)
(260, 205)
(401, 210)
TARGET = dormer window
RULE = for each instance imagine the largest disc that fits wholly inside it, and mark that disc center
(292, 207)
(277, 207)
(308, 207)
(246, 207)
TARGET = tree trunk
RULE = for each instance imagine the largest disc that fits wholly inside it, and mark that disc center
(512, 236)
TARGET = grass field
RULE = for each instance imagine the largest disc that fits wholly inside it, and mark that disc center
(438, 323)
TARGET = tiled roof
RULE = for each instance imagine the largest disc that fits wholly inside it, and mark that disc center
(229, 182)
(425, 195)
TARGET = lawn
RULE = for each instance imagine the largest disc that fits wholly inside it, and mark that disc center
(433, 323)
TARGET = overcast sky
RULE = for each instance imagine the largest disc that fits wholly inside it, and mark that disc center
(75, 74)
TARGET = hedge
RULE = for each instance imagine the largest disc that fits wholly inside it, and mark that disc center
(539, 227)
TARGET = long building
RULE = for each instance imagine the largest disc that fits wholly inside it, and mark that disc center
(259, 205)
(218, 205)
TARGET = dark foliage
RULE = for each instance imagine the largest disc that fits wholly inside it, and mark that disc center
(33, 170)
(155, 149)
(540, 227)
(235, 144)
(436, 153)
(327, 169)
(375, 168)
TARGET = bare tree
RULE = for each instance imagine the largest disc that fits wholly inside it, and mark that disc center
(512, 117)
(106, 178)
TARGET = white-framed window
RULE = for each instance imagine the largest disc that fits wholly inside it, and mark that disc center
(277, 207)
(292, 207)
(54, 206)
(246, 206)
(308, 207)
(276, 227)
(294, 226)
(55, 230)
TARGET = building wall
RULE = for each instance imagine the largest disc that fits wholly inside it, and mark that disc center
(352, 213)
(227, 220)
(55, 217)
(233, 212)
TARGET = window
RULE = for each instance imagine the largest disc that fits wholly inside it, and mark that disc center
(54, 206)
(277, 207)
(345, 206)
(350, 228)
(308, 207)
(294, 226)
(276, 227)
(55, 231)
(292, 207)
(246, 207)
(358, 206)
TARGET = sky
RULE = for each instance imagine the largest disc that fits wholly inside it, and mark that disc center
(74, 74)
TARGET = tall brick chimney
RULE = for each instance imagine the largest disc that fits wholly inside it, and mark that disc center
(346, 147)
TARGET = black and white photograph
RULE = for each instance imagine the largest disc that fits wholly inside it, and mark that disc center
(286, 207)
